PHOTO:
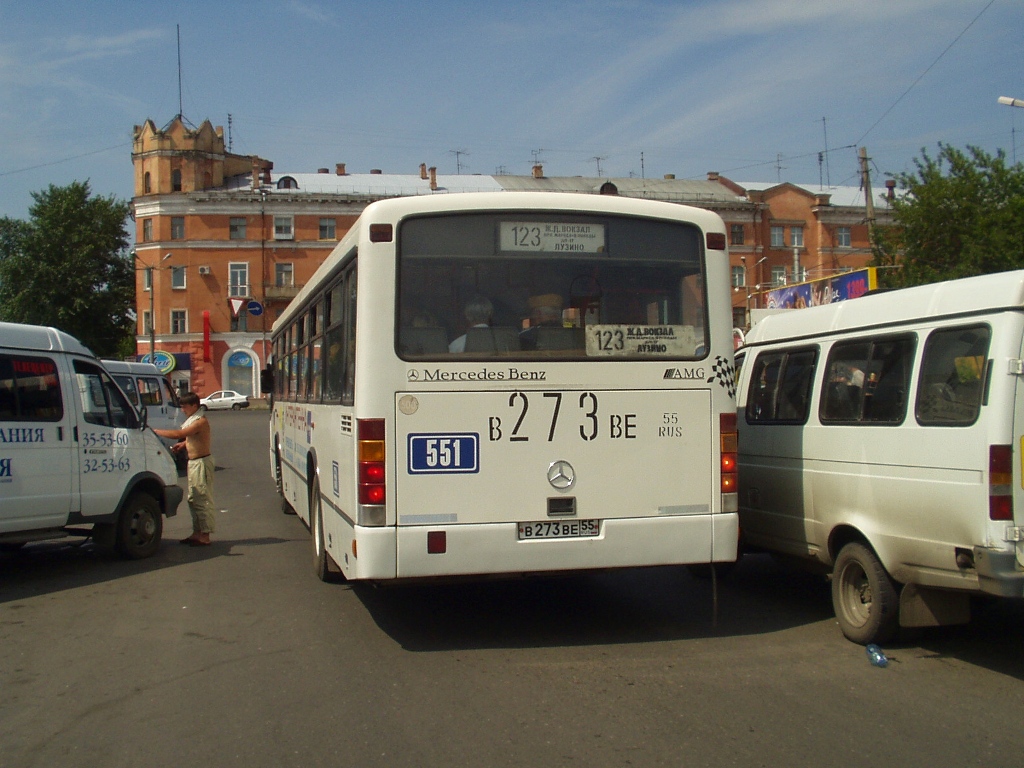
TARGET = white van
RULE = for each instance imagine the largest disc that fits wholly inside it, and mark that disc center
(147, 388)
(73, 450)
(881, 438)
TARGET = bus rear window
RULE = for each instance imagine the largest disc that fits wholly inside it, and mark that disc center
(550, 285)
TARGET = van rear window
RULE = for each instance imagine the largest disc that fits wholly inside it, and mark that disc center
(29, 389)
(953, 376)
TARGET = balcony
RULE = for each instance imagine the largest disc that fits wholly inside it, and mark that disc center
(282, 292)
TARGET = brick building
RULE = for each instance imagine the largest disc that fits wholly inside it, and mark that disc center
(223, 242)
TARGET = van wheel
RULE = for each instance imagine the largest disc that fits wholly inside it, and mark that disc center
(864, 596)
(321, 560)
(139, 527)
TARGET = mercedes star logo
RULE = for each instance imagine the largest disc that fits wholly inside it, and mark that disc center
(561, 475)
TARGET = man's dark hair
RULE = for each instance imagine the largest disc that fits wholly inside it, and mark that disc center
(189, 398)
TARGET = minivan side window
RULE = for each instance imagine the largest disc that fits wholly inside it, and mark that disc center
(29, 389)
(953, 370)
(102, 401)
(867, 381)
(780, 386)
(149, 390)
(128, 385)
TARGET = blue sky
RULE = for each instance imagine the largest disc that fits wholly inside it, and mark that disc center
(735, 86)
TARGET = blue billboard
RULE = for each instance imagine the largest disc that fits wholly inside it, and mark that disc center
(826, 290)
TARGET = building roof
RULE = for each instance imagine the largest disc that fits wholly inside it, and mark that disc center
(367, 184)
(851, 197)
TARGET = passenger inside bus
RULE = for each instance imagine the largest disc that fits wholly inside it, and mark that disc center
(478, 313)
(545, 315)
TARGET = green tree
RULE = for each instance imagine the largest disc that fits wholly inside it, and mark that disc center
(961, 214)
(68, 266)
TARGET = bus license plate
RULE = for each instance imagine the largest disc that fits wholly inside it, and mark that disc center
(560, 529)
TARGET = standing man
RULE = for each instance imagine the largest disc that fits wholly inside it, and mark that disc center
(194, 435)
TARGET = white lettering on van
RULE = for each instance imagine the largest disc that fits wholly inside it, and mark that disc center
(22, 435)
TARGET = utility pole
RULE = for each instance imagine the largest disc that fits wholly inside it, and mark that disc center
(869, 204)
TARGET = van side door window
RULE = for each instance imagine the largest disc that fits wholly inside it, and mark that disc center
(29, 389)
(953, 372)
(780, 386)
(868, 381)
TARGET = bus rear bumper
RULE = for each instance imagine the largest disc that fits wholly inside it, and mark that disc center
(480, 549)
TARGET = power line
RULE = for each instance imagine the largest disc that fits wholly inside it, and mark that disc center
(921, 76)
(63, 160)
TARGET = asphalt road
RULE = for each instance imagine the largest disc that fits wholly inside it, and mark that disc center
(235, 655)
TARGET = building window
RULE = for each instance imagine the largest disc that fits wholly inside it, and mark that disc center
(147, 230)
(146, 183)
(739, 275)
(736, 234)
(238, 279)
(797, 235)
(778, 237)
(778, 275)
(147, 279)
(179, 321)
(178, 278)
(327, 229)
(287, 182)
(147, 322)
(843, 237)
(236, 228)
(284, 275)
(176, 180)
(177, 227)
(283, 228)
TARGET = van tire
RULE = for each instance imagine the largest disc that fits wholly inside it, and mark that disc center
(139, 527)
(864, 596)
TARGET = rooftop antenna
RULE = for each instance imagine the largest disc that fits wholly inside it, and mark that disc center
(642, 166)
(177, 28)
(458, 158)
(598, 161)
(229, 132)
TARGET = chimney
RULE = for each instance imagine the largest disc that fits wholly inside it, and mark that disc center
(323, 170)
(255, 172)
(433, 179)
(712, 175)
(266, 175)
(376, 171)
(670, 176)
(823, 199)
(339, 169)
(890, 189)
(423, 170)
(538, 171)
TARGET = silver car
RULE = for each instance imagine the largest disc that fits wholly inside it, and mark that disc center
(225, 398)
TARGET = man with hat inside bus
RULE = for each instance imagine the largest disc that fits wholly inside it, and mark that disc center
(545, 311)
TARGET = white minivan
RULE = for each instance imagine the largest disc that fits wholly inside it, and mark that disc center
(147, 388)
(881, 438)
(73, 450)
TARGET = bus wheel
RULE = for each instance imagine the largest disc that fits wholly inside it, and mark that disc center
(864, 596)
(139, 527)
(321, 560)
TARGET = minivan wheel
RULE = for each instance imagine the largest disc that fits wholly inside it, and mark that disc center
(139, 527)
(864, 596)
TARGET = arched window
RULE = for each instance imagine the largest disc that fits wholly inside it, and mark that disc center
(176, 180)
(287, 182)
(146, 184)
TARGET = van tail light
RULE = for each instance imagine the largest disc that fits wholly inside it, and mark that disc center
(370, 449)
(729, 446)
(1000, 482)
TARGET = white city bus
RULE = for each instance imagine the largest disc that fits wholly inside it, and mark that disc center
(511, 383)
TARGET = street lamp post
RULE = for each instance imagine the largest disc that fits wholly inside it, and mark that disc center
(150, 273)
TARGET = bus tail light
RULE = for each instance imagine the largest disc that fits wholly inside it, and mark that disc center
(372, 472)
(728, 451)
(1000, 482)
